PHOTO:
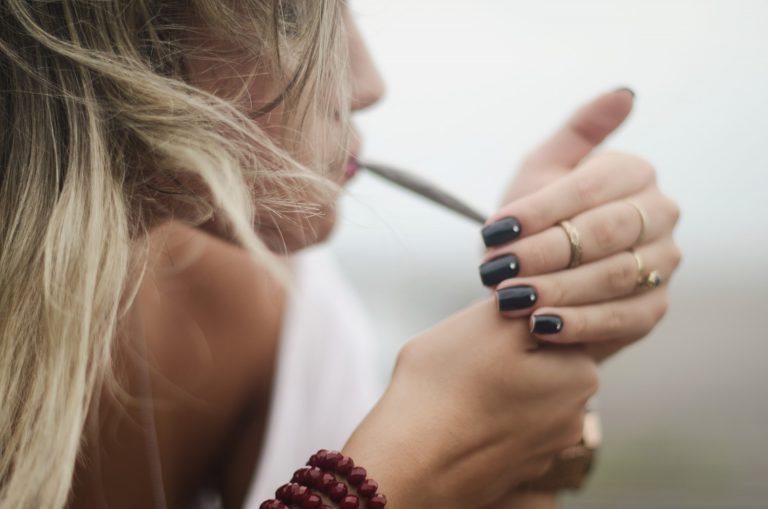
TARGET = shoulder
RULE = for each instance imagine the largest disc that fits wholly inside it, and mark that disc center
(207, 307)
(210, 319)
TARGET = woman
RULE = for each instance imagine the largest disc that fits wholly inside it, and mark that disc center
(159, 160)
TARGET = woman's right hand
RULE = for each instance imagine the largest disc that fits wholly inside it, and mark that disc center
(471, 409)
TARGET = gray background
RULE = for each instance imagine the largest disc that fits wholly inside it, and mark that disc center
(471, 87)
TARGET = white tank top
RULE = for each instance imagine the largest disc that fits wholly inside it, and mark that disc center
(325, 382)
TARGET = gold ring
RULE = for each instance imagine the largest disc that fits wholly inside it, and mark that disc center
(651, 280)
(574, 239)
(643, 221)
(640, 267)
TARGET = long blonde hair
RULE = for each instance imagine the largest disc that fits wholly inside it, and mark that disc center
(101, 133)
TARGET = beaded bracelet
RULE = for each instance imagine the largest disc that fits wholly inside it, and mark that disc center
(319, 475)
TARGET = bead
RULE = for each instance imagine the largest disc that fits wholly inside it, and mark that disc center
(344, 465)
(376, 502)
(284, 493)
(300, 476)
(320, 458)
(356, 476)
(349, 502)
(312, 502)
(338, 491)
(368, 488)
(325, 507)
(298, 493)
(272, 504)
(312, 477)
(331, 459)
(312, 460)
(327, 481)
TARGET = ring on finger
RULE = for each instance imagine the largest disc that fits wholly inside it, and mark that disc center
(651, 280)
(574, 239)
(643, 221)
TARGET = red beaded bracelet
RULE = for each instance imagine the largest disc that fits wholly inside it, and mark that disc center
(319, 475)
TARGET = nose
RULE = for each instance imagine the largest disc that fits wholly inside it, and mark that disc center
(367, 84)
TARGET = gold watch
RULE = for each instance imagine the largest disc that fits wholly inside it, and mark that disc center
(573, 465)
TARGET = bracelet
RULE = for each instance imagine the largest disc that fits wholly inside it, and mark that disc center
(319, 474)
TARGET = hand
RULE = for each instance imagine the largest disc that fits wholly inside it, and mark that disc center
(597, 302)
(582, 133)
(471, 409)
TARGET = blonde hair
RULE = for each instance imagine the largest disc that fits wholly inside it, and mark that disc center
(102, 136)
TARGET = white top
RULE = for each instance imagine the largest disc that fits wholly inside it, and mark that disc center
(325, 379)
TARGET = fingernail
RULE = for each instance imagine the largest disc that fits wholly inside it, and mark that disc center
(546, 324)
(516, 297)
(501, 232)
(498, 269)
(626, 89)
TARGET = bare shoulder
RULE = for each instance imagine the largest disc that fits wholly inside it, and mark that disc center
(210, 318)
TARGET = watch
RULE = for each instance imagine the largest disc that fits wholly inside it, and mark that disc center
(572, 466)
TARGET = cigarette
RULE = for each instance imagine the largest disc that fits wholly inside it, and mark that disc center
(423, 188)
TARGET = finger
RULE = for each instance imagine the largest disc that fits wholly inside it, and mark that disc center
(594, 183)
(604, 280)
(602, 232)
(582, 132)
(625, 320)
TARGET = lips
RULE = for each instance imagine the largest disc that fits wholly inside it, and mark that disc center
(355, 146)
(352, 167)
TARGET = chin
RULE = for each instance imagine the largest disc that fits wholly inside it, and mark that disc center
(291, 239)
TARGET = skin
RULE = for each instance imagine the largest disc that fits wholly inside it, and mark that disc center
(211, 320)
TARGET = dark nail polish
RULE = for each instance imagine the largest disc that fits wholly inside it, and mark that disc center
(546, 324)
(626, 89)
(498, 269)
(516, 297)
(501, 232)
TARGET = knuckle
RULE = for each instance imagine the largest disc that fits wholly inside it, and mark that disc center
(556, 293)
(603, 235)
(677, 256)
(587, 128)
(574, 432)
(615, 322)
(663, 306)
(606, 232)
(673, 210)
(538, 258)
(642, 168)
(540, 468)
(587, 189)
(621, 275)
(587, 378)
(407, 356)
(533, 214)
(645, 170)
(655, 314)
(578, 326)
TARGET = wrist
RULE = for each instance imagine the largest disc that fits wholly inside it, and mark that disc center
(396, 457)
(400, 479)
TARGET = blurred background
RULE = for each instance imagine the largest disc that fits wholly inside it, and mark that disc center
(472, 86)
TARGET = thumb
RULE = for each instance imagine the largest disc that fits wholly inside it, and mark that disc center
(584, 131)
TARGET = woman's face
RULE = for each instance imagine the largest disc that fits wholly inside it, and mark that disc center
(366, 88)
